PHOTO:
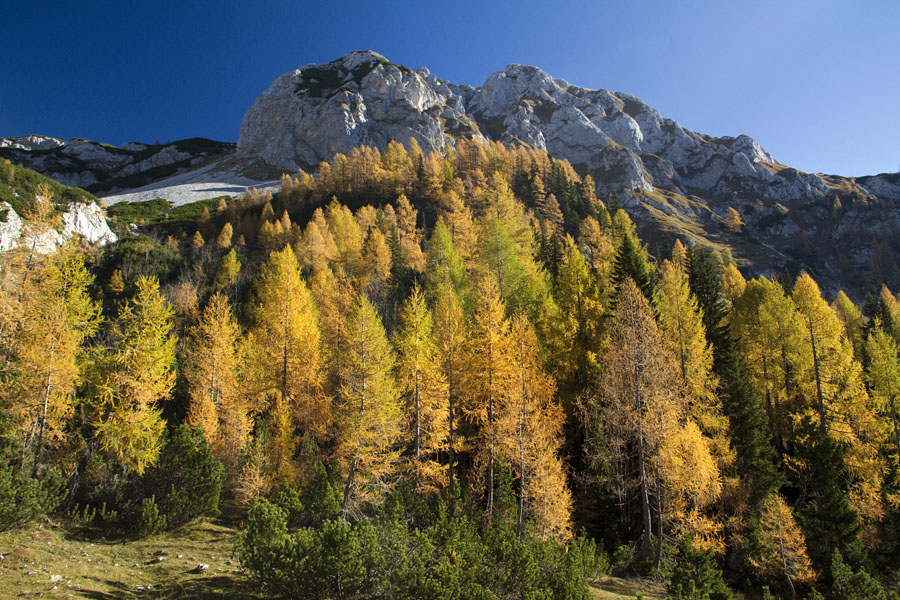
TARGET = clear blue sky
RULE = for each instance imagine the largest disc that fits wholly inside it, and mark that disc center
(817, 82)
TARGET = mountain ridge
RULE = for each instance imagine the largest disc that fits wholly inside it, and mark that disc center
(673, 181)
(844, 230)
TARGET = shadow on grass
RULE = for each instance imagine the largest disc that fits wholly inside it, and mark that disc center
(202, 588)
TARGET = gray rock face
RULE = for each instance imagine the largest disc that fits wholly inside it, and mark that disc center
(317, 111)
(85, 220)
(656, 166)
(310, 114)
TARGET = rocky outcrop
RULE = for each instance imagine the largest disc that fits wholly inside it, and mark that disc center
(663, 173)
(317, 111)
(101, 167)
(87, 221)
(310, 114)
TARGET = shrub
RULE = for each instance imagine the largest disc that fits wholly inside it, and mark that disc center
(24, 499)
(187, 481)
(150, 520)
(696, 576)
(393, 555)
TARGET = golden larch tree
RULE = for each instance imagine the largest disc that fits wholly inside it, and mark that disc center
(369, 424)
(139, 373)
(47, 358)
(218, 403)
(424, 394)
(488, 380)
(531, 438)
(450, 335)
(286, 362)
(781, 549)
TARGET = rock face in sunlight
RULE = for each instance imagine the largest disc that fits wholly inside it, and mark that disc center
(85, 220)
(670, 178)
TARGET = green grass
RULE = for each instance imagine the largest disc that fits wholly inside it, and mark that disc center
(91, 567)
(616, 588)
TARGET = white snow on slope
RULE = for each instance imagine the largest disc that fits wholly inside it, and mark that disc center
(210, 181)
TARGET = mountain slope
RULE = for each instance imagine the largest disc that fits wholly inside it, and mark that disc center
(674, 181)
(104, 168)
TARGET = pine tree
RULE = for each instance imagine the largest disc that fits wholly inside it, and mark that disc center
(424, 392)
(369, 413)
(632, 263)
(139, 373)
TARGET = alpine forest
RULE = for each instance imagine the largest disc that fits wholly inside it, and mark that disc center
(458, 375)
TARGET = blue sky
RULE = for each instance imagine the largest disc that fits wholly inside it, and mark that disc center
(815, 81)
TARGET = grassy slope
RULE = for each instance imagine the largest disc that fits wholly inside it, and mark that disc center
(18, 184)
(88, 567)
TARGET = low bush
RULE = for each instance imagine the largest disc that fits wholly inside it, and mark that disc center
(392, 555)
(24, 499)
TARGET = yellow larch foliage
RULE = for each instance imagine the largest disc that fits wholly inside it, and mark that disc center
(424, 392)
(531, 427)
(681, 323)
(139, 373)
(45, 356)
(369, 414)
(837, 394)
(286, 364)
(488, 380)
(450, 336)
(218, 404)
(781, 545)
(223, 241)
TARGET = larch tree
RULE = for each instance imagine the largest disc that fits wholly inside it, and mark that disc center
(286, 362)
(639, 403)
(444, 263)
(370, 418)
(773, 349)
(851, 317)
(334, 295)
(781, 546)
(883, 371)
(488, 380)
(577, 331)
(223, 240)
(681, 323)
(228, 270)
(218, 404)
(424, 392)
(532, 437)
(48, 361)
(844, 408)
(450, 336)
(139, 373)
